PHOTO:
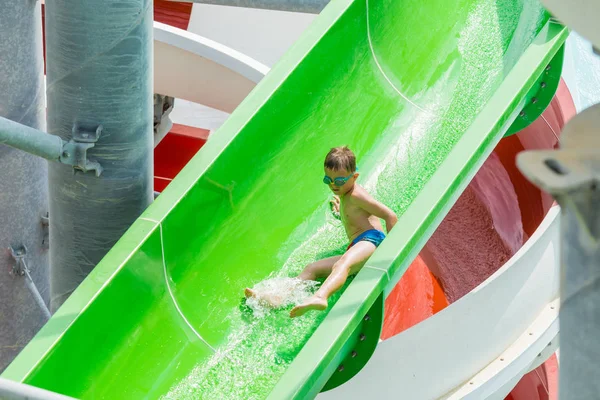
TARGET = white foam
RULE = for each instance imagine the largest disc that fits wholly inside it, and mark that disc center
(279, 293)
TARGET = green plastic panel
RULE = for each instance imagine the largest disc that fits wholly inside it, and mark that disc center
(360, 346)
(421, 91)
(540, 95)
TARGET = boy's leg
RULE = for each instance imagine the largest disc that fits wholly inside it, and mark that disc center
(318, 269)
(349, 263)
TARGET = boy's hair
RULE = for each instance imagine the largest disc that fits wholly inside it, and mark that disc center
(340, 158)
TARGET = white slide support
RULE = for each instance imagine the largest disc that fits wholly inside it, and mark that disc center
(480, 346)
(190, 67)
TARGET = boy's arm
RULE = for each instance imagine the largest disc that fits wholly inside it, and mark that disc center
(374, 207)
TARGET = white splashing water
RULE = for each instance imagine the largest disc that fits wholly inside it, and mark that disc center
(279, 293)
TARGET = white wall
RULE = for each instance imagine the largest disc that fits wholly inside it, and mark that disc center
(581, 72)
(197, 115)
(261, 34)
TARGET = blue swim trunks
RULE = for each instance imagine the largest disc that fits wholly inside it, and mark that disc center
(372, 235)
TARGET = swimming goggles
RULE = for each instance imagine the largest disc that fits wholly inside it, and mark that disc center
(337, 181)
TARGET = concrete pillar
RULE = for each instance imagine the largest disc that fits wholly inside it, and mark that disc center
(23, 178)
(99, 74)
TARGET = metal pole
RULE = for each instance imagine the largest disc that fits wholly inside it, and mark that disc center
(10, 390)
(572, 176)
(31, 140)
(304, 6)
(52, 147)
(23, 177)
(20, 268)
(99, 85)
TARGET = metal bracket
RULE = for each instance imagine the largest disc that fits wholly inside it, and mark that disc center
(75, 151)
(163, 105)
(19, 254)
(45, 221)
(20, 268)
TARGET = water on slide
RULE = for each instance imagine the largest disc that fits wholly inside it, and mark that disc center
(397, 81)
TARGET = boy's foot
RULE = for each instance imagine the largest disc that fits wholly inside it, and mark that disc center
(314, 303)
(271, 300)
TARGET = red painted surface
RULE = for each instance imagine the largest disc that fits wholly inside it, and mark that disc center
(480, 233)
(551, 367)
(542, 134)
(539, 384)
(173, 13)
(416, 297)
(175, 151)
(44, 34)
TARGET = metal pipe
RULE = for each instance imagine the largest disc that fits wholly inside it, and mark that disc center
(52, 147)
(36, 294)
(10, 390)
(304, 6)
(19, 254)
(99, 86)
(31, 140)
(23, 177)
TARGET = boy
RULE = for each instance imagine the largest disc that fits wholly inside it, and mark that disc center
(360, 213)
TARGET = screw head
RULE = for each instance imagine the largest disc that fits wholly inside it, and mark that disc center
(340, 368)
(354, 353)
(362, 337)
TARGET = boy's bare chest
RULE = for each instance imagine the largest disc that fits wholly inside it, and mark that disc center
(350, 212)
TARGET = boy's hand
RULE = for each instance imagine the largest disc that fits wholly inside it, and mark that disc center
(335, 207)
(335, 204)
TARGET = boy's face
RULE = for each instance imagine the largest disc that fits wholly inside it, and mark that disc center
(341, 175)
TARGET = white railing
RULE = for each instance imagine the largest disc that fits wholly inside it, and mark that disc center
(190, 67)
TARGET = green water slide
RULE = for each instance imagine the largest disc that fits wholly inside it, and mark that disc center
(420, 90)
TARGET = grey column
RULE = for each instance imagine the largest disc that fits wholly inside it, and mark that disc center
(99, 73)
(23, 178)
